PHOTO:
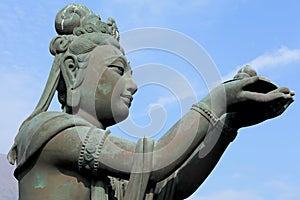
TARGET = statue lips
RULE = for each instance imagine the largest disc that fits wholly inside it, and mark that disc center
(127, 98)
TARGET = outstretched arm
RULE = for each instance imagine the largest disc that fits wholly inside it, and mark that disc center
(182, 139)
(186, 180)
(244, 100)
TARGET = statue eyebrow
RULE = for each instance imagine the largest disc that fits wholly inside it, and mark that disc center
(129, 67)
(126, 63)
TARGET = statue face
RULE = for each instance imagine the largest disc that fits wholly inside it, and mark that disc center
(108, 86)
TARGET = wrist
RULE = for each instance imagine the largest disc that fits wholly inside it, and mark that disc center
(232, 120)
(217, 106)
(221, 124)
(228, 128)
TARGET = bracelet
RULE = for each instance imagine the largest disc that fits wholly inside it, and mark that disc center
(205, 112)
(98, 152)
(215, 122)
(82, 150)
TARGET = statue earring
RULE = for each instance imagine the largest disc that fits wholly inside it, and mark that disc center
(73, 98)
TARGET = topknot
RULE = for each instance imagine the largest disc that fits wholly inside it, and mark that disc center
(77, 19)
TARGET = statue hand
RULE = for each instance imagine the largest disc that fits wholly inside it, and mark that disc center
(269, 105)
(251, 94)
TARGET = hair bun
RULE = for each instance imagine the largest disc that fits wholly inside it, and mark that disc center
(70, 17)
(60, 44)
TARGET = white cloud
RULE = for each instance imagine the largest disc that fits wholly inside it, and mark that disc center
(270, 60)
(279, 57)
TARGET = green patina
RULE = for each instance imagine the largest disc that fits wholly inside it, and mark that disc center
(105, 88)
(40, 181)
(64, 191)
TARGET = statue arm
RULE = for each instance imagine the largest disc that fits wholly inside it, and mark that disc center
(117, 155)
(92, 150)
(177, 145)
(197, 168)
(246, 105)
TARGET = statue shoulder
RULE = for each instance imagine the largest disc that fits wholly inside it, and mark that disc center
(53, 120)
(37, 132)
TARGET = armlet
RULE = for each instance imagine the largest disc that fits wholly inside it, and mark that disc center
(91, 150)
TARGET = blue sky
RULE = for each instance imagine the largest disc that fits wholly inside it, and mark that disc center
(262, 163)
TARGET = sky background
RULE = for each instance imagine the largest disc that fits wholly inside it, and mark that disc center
(262, 163)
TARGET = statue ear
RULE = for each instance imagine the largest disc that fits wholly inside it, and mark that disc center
(70, 70)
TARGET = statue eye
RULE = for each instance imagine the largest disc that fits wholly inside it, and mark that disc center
(120, 70)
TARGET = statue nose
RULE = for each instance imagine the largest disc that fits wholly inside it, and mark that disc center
(131, 85)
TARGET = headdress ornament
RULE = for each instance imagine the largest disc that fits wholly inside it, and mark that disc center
(78, 19)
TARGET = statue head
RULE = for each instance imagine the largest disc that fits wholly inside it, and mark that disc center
(91, 73)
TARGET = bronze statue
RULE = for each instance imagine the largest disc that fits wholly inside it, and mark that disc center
(72, 155)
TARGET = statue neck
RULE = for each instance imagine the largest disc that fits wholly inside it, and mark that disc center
(90, 118)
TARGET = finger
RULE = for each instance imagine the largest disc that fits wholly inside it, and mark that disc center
(264, 79)
(279, 96)
(292, 93)
(248, 81)
(284, 90)
(261, 97)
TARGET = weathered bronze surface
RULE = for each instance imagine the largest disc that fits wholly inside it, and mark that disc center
(72, 155)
